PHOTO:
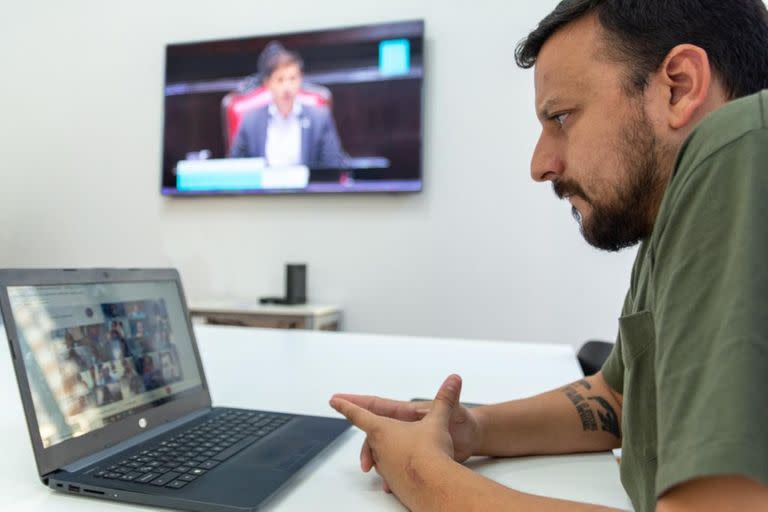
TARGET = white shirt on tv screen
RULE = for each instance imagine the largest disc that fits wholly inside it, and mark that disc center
(283, 146)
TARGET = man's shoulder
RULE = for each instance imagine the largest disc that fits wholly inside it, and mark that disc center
(254, 114)
(747, 107)
(316, 113)
(723, 127)
(720, 161)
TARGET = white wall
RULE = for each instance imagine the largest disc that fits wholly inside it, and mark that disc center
(483, 252)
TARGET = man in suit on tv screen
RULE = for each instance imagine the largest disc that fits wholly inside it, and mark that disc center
(286, 132)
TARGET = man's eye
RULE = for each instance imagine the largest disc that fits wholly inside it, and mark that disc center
(560, 118)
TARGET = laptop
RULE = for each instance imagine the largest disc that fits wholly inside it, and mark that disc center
(117, 403)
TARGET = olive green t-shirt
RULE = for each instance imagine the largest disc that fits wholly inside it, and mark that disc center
(691, 357)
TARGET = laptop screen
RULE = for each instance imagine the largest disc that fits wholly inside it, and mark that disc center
(97, 353)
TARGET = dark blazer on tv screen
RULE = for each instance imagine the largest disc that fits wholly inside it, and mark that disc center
(320, 145)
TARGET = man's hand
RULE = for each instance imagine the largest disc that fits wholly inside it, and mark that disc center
(413, 448)
(413, 437)
(464, 427)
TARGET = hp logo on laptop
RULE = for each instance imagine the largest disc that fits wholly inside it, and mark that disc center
(143, 423)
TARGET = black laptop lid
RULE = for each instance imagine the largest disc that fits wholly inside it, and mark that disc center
(101, 355)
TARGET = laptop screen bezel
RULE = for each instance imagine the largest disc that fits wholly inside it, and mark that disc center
(71, 450)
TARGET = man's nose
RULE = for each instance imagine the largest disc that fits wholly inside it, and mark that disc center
(546, 163)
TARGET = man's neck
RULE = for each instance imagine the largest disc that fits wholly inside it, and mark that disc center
(285, 111)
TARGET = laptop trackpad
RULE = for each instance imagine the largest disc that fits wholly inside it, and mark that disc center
(281, 453)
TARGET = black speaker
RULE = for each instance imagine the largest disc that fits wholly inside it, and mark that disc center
(295, 283)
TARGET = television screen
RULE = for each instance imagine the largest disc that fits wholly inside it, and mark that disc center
(309, 112)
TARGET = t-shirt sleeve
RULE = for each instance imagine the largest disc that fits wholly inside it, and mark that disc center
(710, 283)
(613, 367)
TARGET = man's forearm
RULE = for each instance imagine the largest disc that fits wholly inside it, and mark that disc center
(442, 484)
(581, 417)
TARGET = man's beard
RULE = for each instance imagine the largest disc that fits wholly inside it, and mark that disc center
(628, 216)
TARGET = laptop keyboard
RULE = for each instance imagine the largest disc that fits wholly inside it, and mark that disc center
(183, 458)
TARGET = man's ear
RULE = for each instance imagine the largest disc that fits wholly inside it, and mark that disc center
(688, 76)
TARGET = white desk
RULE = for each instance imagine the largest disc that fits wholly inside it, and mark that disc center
(274, 316)
(298, 371)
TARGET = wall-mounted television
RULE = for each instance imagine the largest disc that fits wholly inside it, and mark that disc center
(324, 111)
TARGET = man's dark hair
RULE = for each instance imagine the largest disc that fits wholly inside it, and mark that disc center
(273, 56)
(640, 34)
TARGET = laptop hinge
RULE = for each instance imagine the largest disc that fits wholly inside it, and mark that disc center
(134, 441)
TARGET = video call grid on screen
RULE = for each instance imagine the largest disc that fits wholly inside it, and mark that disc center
(366, 80)
(95, 354)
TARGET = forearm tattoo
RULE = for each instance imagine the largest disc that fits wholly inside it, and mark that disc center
(585, 412)
(585, 384)
(609, 420)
